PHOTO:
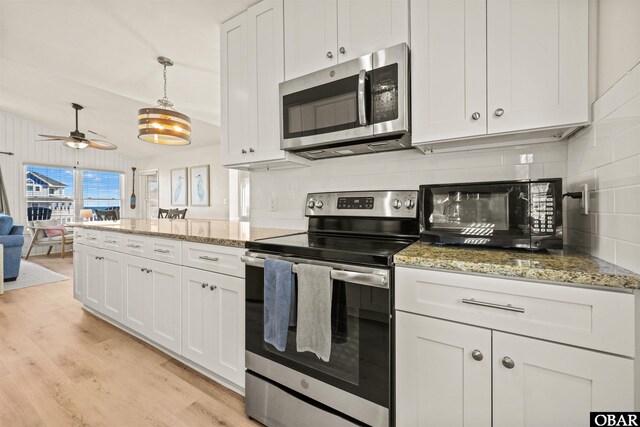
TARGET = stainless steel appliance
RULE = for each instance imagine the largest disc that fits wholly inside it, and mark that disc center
(357, 107)
(513, 214)
(357, 234)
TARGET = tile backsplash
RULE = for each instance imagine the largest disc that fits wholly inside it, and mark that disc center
(401, 170)
(606, 156)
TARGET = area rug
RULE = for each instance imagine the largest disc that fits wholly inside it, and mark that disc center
(33, 275)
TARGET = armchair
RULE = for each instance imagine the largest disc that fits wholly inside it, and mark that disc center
(39, 238)
(12, 239)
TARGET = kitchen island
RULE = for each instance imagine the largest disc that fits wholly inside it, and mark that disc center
(176, 284)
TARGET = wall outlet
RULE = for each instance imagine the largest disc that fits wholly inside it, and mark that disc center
(272, 204)
(584, 202)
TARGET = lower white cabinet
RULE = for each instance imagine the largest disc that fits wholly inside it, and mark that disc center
(92, 272)
(152, 300)
(213, 322)
(465, 364)
(79, 284)
(439, 383)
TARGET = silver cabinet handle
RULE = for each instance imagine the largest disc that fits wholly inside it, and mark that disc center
(508, 363)
(499, 112)
(477, 355)
(362, 106)
(507, 307)
(143, 270)
(213, 287)
(110, 241)
(162, 251)
(91, 238)
(475, 116)
(251, 150)
(204, 285)
(329, 55)
(244, 151)
(149, 270)
(134, 246)
(208, 258)
(343, 50)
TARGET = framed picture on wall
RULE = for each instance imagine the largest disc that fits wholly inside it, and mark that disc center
(199, 176)
(179, 187)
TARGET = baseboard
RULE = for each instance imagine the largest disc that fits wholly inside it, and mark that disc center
(204, 371)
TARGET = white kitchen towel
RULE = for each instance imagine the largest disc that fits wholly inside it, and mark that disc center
(314, 310)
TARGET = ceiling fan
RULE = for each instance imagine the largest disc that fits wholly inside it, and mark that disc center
(77, 139)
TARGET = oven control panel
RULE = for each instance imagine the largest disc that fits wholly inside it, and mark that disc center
(381, 204)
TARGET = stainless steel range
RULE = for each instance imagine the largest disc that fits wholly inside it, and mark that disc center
(356, 234)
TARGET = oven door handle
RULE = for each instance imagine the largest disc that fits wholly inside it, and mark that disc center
(362, 105)
(378, 280)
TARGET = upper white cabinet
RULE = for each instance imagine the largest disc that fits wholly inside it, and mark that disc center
(310, 36)
(252, 66)
(491, 67)
(321, 33)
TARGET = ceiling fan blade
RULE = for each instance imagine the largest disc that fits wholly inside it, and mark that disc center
(58, 138)
(101, 145)
(53, 136)
(96, 134)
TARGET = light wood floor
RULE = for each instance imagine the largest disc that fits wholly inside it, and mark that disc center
(60, 366)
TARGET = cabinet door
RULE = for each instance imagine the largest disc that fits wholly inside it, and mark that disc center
(93, 278)
(165, 304)
(137, 294)
(112, 279)
(448, 69)
(310, 36)
(537, 63)
(197, 316)
(438, 381)
(365, 26)
(266, 70)
(234, 90)
(228, 323)
(79, 284)
(556, 385)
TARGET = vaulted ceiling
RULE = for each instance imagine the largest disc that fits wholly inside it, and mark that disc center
(101, 54)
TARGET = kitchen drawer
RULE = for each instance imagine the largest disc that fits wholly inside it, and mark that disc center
(137, 245)
(112, 241)
(91, 238)
(590, 318)
(220, 259)
(165, 250)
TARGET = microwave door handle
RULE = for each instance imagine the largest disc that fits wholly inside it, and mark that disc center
(362, 106)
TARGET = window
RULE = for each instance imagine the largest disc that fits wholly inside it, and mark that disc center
(66, 190)
(51, 188)
(101, 190)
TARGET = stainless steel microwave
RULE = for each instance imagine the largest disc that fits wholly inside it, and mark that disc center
(513, 214)
(357, 107)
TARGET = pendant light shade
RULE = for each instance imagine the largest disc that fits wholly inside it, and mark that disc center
(162, 124)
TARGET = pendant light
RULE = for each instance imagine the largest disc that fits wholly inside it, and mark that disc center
(162, 124)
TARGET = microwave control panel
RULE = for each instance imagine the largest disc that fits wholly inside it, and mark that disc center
(543, 209)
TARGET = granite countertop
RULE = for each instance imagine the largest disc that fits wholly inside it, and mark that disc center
(566, 266)
(225, 233)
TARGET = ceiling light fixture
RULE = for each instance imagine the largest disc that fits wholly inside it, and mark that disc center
(162, 124)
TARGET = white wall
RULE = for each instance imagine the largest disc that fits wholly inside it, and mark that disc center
(19, 136)
(618, 40)
(606, 156)
(402, 170)
(219, 179)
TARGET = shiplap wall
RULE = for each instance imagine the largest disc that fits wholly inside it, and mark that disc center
(19, 136)
(606, 156)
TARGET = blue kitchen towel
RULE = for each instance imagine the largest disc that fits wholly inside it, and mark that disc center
(278, 292)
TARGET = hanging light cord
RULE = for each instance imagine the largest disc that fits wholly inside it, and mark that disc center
(165, 101)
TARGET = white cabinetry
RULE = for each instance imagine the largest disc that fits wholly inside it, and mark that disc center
(322, 33)
(450, 373)
(171, 293)
(213, 322)
(492, 67)
(252, 66)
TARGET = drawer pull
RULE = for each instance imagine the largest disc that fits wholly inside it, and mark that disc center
(162, 251)
(213, 287)
(508, 362)
(477, 355)
(110, 241)
(507, 307)
(91, 238)
(134, 246)
(208, 258)
(204, 285)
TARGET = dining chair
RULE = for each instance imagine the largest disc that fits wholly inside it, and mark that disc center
(106, 215)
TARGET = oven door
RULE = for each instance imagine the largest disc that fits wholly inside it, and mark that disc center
(327, 106)
(356, 379)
